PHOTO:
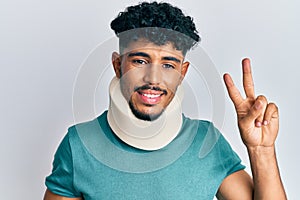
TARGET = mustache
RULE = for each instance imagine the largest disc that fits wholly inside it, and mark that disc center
(148, 87)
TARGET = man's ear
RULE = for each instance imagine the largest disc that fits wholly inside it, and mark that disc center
(116, 61)
(184, 70)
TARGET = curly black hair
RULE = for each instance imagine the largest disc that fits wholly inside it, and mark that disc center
(157, 22)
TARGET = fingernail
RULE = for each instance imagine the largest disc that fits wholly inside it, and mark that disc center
(258, 124)
(265, 123)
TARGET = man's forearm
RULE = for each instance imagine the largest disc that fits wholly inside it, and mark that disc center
(266, 176)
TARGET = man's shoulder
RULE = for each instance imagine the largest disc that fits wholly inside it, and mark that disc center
(205, 130)
(199, 123)
(89, 125)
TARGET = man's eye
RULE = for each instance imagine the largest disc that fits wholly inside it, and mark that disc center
(140, 62)
(168, 66)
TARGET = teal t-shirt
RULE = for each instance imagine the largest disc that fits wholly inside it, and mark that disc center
(93, 163)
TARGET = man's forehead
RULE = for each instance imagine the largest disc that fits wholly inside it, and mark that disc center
(144, 45)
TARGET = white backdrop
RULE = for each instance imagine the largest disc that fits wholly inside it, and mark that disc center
(43, 44)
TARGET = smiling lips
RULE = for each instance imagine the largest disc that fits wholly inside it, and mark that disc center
(150, 96)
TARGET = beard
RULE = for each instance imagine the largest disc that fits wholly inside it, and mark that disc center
(144, 116)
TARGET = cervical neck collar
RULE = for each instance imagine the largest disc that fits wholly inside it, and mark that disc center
(146, 135)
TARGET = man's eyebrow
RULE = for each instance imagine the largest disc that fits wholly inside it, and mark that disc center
(171, 59)
(142, 54)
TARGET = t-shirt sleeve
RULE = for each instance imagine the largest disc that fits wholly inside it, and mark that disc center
(60, 181)
(230, 160)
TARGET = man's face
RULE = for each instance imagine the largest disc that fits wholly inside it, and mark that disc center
(149, 76)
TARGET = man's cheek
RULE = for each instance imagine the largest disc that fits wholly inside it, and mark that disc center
(172, 86)
(125, 89)
(172, 79)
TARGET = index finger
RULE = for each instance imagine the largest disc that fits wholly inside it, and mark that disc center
(247, 79)
(233, 92)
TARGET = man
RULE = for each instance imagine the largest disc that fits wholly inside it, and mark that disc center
(143, 147)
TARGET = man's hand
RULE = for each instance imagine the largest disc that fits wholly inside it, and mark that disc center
(257, 118)
(258, 123)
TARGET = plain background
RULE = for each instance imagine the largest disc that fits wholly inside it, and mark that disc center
(43, 44)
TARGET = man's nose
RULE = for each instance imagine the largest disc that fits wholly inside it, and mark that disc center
(153, 74)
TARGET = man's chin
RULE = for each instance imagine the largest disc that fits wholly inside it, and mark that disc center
(144, 116)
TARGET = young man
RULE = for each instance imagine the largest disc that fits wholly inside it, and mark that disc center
(143, 147)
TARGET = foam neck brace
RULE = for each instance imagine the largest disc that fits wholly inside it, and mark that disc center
(141, 134)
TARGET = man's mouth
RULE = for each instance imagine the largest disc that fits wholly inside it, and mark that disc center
(150, 97)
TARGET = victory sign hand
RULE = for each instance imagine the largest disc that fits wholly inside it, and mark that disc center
(258, 120)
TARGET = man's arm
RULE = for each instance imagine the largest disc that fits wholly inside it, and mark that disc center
(238, 185)
(258, 123)
(266, 182)
(266, 177)
(51, 196)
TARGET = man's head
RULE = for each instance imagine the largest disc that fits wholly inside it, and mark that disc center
(159, 23)
(153, 38)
